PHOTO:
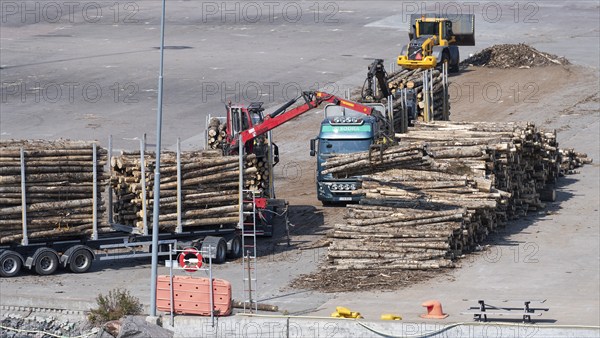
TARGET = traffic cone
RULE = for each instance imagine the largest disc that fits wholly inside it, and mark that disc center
(434, 310)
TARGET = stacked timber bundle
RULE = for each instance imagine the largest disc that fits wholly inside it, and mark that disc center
(406, 155)
(570, 160)
(58, 188)
(394, 238)
(216, 133)
(209, 189)
(442, 190)
(258, 181)
(413, 80)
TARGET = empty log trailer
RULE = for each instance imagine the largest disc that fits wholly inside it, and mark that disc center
(52, 213)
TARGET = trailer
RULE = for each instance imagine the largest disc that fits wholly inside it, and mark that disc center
(105, 239)
(78, 254)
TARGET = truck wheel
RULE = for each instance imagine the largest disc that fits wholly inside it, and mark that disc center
(46, 262)
(236, 248)
(10, 264)
(221, 254)
(81, 261)
(218, 244)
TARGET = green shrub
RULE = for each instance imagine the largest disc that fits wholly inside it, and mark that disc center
(117, 304)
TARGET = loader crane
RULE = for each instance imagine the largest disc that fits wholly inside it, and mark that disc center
(254, 124)
(251, 126)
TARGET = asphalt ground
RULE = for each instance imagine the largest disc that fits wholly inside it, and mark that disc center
(94, 73)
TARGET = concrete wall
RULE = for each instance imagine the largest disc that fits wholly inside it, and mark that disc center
(280, 326)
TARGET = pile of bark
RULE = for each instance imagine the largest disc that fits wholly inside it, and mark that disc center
(412, 80)
(209, 188)
(58, 188)
(513, 56)
(442, 190)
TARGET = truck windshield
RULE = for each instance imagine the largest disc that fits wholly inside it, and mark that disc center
(428, 28)
(330, 147)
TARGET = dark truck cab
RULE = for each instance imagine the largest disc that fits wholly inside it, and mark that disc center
(342, 131)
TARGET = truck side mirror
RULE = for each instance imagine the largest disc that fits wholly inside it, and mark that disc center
(313, 143)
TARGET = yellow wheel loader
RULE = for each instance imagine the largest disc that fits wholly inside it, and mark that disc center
(435, 40)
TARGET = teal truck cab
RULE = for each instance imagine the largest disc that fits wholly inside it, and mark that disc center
(343, 131)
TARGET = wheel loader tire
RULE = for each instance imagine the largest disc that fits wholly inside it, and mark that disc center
(445, 59)
(454, 68)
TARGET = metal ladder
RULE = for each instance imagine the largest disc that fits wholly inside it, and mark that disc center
(249, 254)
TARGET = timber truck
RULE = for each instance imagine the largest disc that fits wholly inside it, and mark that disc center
(250, 126)
(434, 41)
(347, 130)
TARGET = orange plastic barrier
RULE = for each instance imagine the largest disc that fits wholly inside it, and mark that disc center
(191, 295)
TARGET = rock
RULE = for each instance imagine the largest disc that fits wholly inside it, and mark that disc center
(113, 327)
(102, 333)
(137, 327)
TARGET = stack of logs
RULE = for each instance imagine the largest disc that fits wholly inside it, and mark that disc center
(58, 188)
(216, 133)
(442, 190)
(258, 181)
(209, 189)
(413, 79)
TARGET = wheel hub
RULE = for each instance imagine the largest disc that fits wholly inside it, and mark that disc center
(9, 265)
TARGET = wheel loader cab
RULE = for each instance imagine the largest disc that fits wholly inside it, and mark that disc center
(440, 28)
(427, 28)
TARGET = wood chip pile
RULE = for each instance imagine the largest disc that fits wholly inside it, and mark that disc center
(442, 190)
(209, 183)
(513, 56)
(58, 186)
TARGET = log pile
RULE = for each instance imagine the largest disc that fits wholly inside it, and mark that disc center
(257, 181)
(513, 56)
(209, 188)
(571, 160)
(216, 133)
(413, 80)
(58, 187)
(442, 190)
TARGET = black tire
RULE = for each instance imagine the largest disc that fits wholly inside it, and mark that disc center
(221, 253)
(236, 248)
(455, 68)
(81, 261)
(10, 264)
(46, 262)
(445, 59)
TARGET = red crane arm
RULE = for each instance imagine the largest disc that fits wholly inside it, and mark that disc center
(314, 102)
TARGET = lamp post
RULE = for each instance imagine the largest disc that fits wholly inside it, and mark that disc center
(156, 207)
